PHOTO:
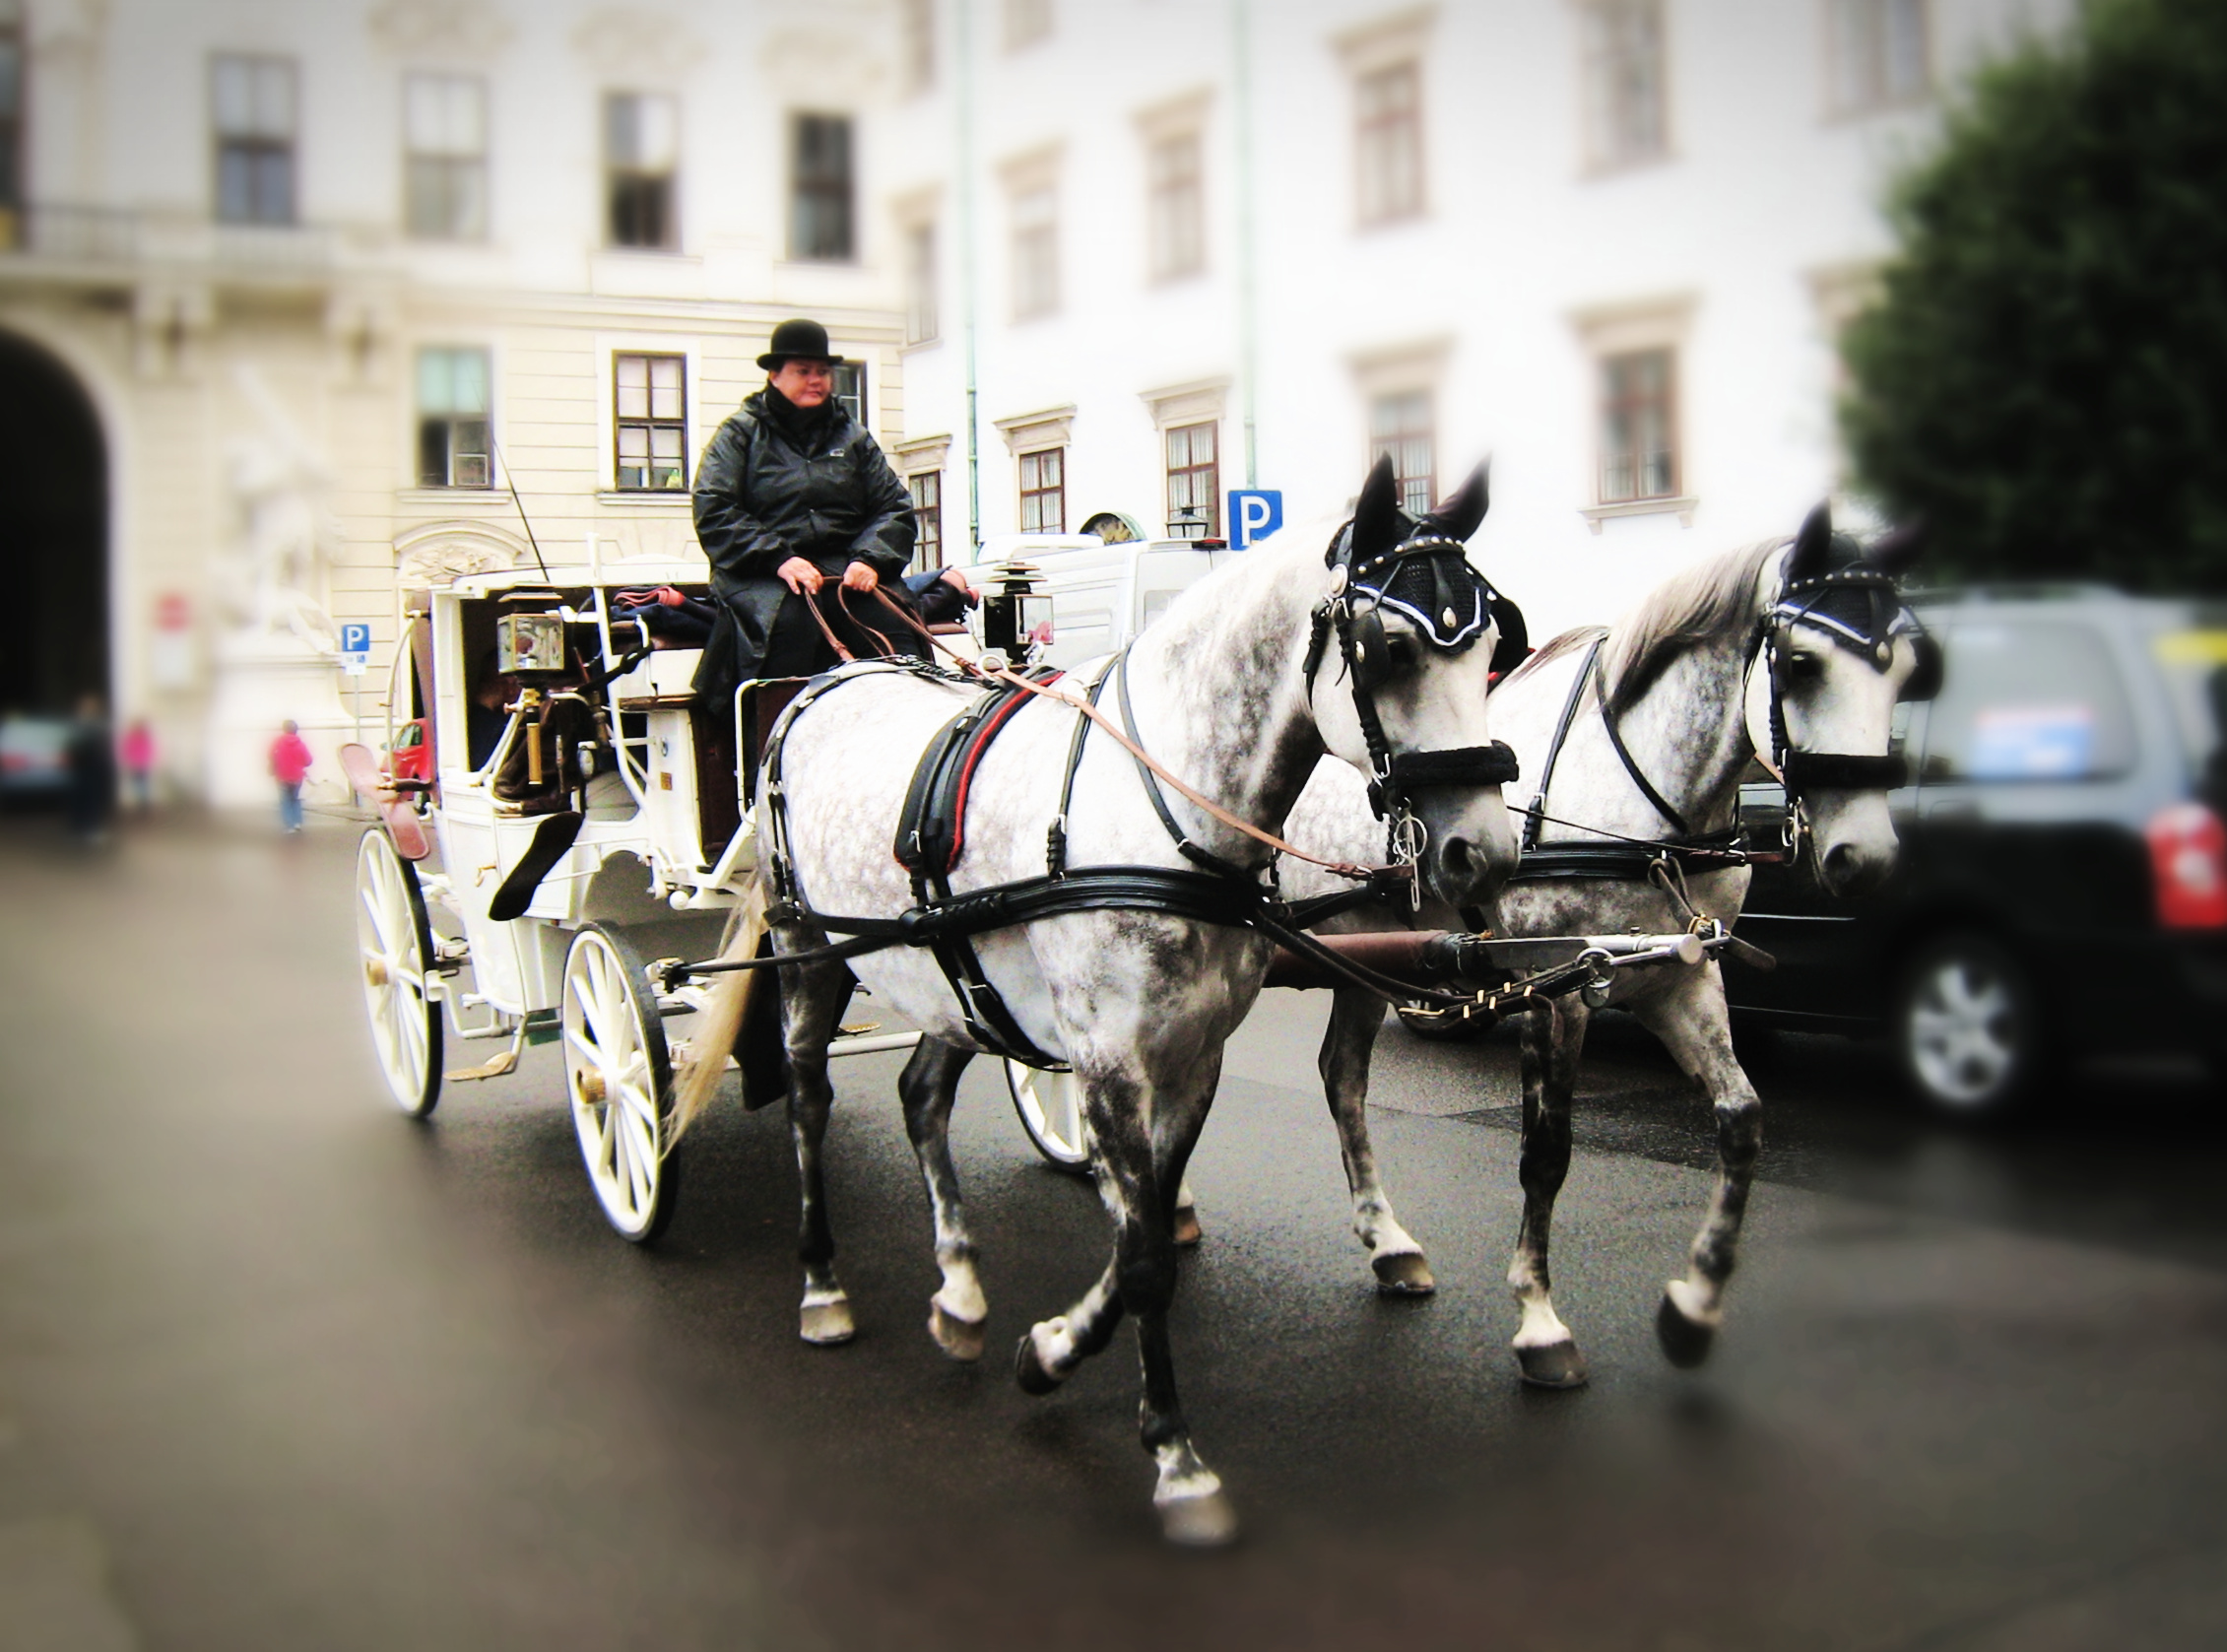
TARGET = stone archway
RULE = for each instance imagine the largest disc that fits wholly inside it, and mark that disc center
(53, 535)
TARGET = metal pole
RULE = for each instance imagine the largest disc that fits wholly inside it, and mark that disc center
(964, 95)
(1248, 366)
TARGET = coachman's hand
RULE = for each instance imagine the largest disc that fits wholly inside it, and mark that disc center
(860, 576)
(801, 576)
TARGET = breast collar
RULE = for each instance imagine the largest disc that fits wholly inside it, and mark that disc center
(1428, 581)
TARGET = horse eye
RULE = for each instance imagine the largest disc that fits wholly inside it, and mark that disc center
(1400, 653)
(1804, 668)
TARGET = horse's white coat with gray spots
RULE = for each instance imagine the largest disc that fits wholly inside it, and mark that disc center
(1139, 1004)
(1692, 733)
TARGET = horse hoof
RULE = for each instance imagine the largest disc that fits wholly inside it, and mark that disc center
(1030, 1371)
(1188, 1232)
(1685, 1342)
(1208, 1522)
(1553, 1365)
(826, 1324)
(1405, 1275)
(962, 1339)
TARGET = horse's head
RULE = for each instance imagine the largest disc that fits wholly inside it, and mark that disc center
(1404, 639)
(1836, 650)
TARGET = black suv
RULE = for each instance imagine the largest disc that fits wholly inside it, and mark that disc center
(2062, 883)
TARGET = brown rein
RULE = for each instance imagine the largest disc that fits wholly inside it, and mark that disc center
(1013, 680)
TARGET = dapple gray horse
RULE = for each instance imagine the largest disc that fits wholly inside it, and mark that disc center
(1225, 694)
(1689, 683)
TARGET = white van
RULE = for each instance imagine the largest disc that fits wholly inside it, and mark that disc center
(1100, 595)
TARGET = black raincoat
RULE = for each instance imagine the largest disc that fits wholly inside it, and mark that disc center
(776, 482)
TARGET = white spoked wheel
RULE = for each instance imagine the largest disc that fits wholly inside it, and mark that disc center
(620, 1080)
(1050, 1105)
(394, 944)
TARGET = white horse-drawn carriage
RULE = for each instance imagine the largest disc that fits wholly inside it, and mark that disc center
(590, 816)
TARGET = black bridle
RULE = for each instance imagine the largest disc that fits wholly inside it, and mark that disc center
(1430, 581)
(1860, 610)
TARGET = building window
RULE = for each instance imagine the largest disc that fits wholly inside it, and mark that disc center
(444, 119)
(1389, 143)
(1043, 491)
(1177, 209)
(1035, 251)
(916, 43)
(254, 99)
(927, 489)
(922, 322)
(819, 188)
(652, 423)
(1400, 424)
(452, 420)
(1626, 82)
(1026, 23)
(1639, 457)
(850, 388)
(641, 152)
(1193, 483)
(1879, 52)
(11, 119)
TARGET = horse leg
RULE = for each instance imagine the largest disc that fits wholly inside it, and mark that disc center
(1395, 1257)
(1695, 1029)
(1553, 1039)
(927, 1087)
(811, 997)
(1143, 1139)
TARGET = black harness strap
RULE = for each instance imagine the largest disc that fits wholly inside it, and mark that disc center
(1054, 840)
(1535, 817)
(1656, 800)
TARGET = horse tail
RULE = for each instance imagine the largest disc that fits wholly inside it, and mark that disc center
(720, 1022)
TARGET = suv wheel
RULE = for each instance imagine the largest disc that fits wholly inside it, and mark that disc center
(1966, 1026)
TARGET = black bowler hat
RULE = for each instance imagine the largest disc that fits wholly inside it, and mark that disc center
(805, 339)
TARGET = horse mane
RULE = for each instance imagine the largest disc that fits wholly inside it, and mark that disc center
(1555, 647)
(1698, 606)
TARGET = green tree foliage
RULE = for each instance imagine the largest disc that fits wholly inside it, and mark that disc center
(2045, 377)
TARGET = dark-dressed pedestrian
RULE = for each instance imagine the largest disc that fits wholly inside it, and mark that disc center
(794, 499)
(290, 767)
(92, 758)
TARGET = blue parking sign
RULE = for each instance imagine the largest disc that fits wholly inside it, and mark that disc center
(354, 648)
(1254, 514)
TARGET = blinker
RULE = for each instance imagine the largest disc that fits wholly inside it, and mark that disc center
(1372, 654)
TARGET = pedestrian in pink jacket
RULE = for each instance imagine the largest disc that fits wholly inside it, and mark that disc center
(289, 764)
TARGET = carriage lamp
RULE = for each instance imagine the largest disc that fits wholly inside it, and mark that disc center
(529, 645)
(1016, 615)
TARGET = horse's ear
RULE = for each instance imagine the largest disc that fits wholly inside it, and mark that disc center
(1813, 546)
(1895, 550)
(1378, 524)
(1459, 516)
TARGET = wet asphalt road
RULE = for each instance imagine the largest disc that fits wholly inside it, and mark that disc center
(281, 1370)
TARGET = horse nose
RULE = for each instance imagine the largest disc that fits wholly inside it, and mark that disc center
(1851, 871)
(1469, 872)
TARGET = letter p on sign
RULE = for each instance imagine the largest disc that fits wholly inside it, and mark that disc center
(1254, 514)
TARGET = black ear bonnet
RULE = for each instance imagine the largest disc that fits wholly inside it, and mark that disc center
(1859, 606)
(1430, 582)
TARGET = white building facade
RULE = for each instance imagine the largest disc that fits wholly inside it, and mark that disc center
(324, 282)
(1157, 249)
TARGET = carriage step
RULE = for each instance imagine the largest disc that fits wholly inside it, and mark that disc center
(502, 1062)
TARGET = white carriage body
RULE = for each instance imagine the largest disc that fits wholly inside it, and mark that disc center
(639, 860)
